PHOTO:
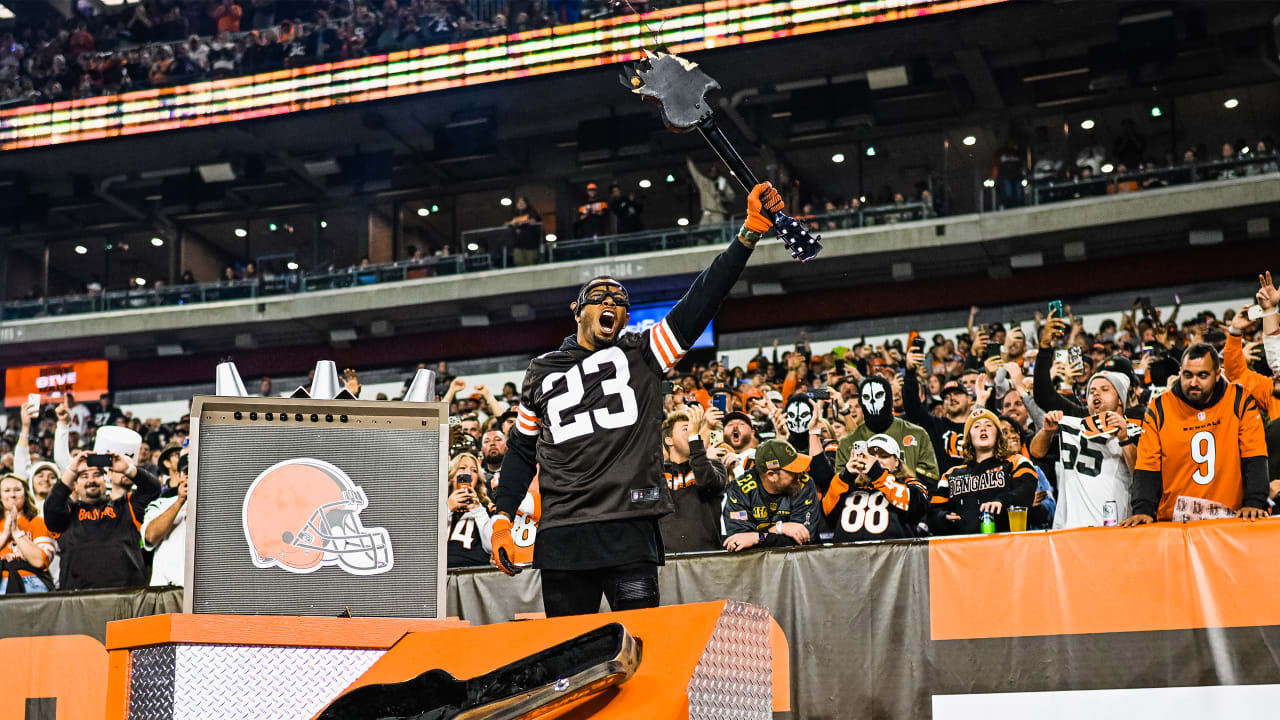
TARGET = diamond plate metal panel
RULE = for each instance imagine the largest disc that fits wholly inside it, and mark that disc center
(151, 682)
(219, 682)
(734, 676)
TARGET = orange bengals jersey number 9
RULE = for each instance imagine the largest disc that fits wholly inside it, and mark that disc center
(1198, 452)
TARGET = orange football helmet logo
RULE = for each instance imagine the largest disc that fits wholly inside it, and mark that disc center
(304, 514)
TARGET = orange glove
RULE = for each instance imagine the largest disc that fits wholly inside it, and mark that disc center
(503, 546)
(762, 203)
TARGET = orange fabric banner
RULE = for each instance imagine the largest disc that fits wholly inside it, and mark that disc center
(1166, 576)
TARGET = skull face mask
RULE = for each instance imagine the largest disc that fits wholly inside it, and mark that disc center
(799, 415)
(876, 397)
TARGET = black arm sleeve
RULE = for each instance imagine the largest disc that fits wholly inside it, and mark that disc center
(1256, 486)
(1147, 488)
(57, 508)
(708, 475)
(916, 411)
(821, 471)
(777, 540)
(701, 303)
(518, 468)
(1043, 393)
(146, 487)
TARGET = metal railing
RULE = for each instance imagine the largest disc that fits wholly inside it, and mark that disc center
(493, 253)
(493, 248)
(1048, 191)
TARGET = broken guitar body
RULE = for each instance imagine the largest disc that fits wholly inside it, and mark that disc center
(680, 89)
(530, 687)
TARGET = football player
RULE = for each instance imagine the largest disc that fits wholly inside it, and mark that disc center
(590, 418)
(1202, 440)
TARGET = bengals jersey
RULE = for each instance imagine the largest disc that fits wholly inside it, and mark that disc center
(1218, 453)
(466, 542)
(590, 420)
(524, 526)
(748, 507)
(1011, 481)
(888, 509)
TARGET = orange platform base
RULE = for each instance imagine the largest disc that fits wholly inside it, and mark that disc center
(697, 660)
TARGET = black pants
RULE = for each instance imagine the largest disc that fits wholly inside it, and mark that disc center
(577, 592)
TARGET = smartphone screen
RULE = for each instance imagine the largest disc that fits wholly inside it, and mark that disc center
(1055, 308)
(33, 399)
(464, 479)
(721, 402)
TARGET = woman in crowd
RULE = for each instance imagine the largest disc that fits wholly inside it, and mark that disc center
(992, 478)
(26, 546)
(469, 530)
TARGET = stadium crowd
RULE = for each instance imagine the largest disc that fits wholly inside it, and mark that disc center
(1035, 425)
(168, 42)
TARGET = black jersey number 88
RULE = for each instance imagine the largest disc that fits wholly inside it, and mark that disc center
(580, 423)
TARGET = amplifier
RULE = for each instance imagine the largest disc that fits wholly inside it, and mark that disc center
(301, 506)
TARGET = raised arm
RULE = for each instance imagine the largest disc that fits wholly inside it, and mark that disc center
(690, 316)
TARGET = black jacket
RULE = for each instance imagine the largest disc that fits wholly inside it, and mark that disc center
(697, 488)
(100, 542)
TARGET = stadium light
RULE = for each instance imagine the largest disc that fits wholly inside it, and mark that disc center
(505, 202)
(871, 151)
(324, 224)
(837, 158)
(82, 250)
(1231, 104)
(292, 265)
(645, 183)
(472, 247)
(435, 208)
(157, 242)
(1086, 125)
(551, 237)
(1108, 167)
(682, 222)
(6, 13)
(423, 212)
(671, 178)
(241, 232)
(273, 227)
(988, 183)
(139, 281)
(1156, 111)
(970, 140)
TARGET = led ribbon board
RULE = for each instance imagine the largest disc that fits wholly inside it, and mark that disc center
(684, 29)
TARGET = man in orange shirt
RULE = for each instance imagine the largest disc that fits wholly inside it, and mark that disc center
(1203, 441)
(228, 15)
(1262, 388)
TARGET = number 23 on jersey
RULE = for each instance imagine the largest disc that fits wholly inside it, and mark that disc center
(567, 417)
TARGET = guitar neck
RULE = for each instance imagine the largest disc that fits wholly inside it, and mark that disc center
(715, 137)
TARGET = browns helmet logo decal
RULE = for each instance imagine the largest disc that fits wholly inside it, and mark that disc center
(304, 514)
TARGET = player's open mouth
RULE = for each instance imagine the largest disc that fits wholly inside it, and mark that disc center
(608, 318)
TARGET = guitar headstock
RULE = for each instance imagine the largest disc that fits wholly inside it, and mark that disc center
(797, 238)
